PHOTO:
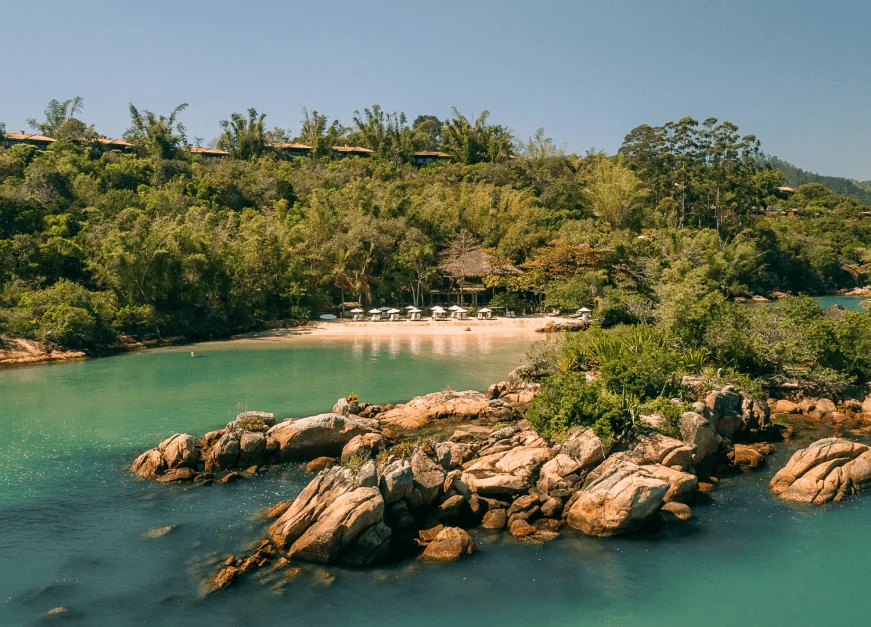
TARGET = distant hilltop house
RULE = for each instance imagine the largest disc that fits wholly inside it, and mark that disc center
(425, 157)
(208, 153)
(41, 142)
(287, 149)
(784, 192)
(290, 149)
(340, 152)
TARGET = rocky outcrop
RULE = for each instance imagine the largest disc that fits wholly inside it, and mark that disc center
(366, 446)
(516, 389)
(449, 545)
(508, 472)
(424, 410)
(315, 436)
(662, 449)
(828, 470)
(617, 497)
(338, 517)
(700, 434)
(177, 451)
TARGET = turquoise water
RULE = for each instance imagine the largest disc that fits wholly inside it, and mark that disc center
(71, 515)
(850, 303)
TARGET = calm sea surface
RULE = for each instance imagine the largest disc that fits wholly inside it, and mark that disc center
(72, 516)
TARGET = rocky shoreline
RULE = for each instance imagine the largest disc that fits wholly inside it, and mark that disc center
(397, 482)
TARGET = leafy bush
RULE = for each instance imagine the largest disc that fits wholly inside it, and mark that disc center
(252, 423)
(69, 326)
(670, 412)
(568, 400)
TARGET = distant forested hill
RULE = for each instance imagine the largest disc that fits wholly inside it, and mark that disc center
(794, 176)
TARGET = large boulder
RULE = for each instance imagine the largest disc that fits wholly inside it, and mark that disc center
(828, 470)
(449, 545)
(617, 498)
(177, 451)
(224, 454)
(428, 479)
(587, 448)
(338, 517)
(397, 481)
(423, 410)
(507, 472)
(366, 446)
(661, 449)
(786, 406)
(866, 407)
(150, 464)
(340, 525)
(698, 432)
(315, 436)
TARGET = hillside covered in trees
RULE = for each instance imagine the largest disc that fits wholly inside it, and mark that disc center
(794, 177)
(157, 240)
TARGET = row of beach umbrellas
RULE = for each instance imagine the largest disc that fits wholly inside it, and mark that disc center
(413, 309)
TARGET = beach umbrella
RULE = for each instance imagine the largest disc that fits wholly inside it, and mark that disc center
(374, 311)
(485, 310)
(583, 310)
(414, 310)
(461, 310)
(356, 310)
(410, 307)
(383, 308)
(437, 308)
(393, 311)
(454, 308)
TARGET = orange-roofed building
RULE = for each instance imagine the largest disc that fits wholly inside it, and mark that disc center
(208, 153)
(425, 157)
(291, 149)
(351, 151)
(40, 141)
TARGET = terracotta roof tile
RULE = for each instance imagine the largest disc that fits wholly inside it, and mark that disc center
(432, 153)
(26, 136)
(199, 150)
(351, 149)
(285, 145)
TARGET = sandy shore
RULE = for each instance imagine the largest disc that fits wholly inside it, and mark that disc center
(345, 328)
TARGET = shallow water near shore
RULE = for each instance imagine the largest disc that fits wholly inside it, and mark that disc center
(72, 517)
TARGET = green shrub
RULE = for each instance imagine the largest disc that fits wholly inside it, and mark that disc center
(568, 400)
(252, 423)
(669, 411)
(72, 327)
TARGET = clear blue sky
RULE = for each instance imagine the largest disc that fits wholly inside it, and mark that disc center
(794, 73)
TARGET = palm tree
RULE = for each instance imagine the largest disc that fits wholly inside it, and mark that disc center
(243, 138)
(56, 114)
(159, 136)
(319, 133)
(474, 142)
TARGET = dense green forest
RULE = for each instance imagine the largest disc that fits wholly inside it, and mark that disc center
(794, 177)
(158, 241)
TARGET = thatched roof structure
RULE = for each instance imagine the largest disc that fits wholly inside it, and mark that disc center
(476, 263)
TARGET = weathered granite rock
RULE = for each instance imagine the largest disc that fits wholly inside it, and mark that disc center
(866, 406)
(746, 457)
(828, 470)
(515, 389)
(449, 545)
(661, 449)
(617, 497)
(338, 517)
(697, 431)
(428, 480)
(252, 449)
(177, 451)
(320, 463)
(366, 446)
(224, 454)
(586, 447)
(677, 511)
(682, 485)
(397, 481)
(423, 410)
(324, 434)
(506, 473)
(495, 519)
(785, 406)
(150, 464)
